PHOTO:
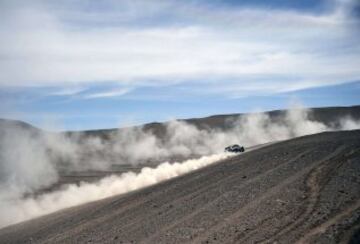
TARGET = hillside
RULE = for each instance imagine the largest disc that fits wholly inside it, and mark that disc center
(304, 190)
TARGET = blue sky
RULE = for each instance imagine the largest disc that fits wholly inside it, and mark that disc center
(100, 64)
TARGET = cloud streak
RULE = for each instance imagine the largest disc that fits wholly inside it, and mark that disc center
(106, 94)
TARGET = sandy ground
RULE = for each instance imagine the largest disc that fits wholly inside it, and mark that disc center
(305, 190)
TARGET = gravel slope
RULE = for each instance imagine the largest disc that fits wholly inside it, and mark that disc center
(305, 190)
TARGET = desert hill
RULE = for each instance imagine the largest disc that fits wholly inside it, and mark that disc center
(326, 115)
(304, 190)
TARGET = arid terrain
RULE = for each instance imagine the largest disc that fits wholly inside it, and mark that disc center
(304, 190)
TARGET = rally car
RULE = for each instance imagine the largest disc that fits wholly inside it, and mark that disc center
(235, 148)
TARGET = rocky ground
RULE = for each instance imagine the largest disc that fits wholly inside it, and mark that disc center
(305, 190)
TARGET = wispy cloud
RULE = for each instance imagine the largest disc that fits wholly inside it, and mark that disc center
(106, 94)
(68, 91)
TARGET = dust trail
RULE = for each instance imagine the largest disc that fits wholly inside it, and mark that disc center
(71, 195)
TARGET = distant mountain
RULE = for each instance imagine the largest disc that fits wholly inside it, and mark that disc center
(8, 123)
(326, 115)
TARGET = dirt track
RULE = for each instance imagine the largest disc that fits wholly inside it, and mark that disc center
(305, 190)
